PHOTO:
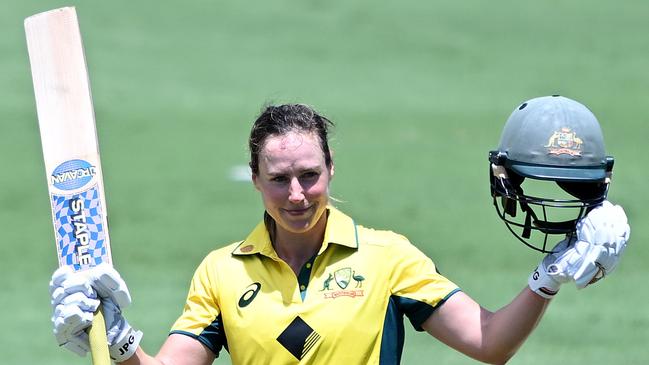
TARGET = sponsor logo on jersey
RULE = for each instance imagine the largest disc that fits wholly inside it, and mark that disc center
(343, 278)
(299, 338)
(249, 294)
(564, 142)
(72, 174)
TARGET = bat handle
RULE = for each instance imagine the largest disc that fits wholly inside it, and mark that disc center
(98, 341)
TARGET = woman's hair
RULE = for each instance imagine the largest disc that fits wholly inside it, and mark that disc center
(281, 119)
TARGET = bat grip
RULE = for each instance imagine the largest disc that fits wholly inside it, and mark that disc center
(98, 341)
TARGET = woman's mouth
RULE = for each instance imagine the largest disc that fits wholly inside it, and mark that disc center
(297, 212)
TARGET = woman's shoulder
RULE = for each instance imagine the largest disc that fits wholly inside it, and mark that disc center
(348, 228)
(380, 237)
(224, 252)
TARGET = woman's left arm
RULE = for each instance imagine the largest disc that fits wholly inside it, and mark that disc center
(491, 337)
(494, 337)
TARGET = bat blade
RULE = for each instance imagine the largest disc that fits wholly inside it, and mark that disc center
(69, 138)
(70, 148)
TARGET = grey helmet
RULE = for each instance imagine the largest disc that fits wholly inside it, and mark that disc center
(550, 138)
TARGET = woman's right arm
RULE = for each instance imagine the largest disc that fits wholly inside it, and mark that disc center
(76, 296)
(177, 350)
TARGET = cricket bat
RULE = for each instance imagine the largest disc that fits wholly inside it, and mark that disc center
(70, 149)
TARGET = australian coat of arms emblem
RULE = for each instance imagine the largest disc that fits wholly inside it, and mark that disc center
(564, 141)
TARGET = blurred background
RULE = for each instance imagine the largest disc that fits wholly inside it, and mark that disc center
(419, 91)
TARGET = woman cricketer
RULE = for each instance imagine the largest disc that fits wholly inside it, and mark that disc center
(308, 285)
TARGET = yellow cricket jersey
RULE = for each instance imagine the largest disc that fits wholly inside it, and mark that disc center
(345, 307)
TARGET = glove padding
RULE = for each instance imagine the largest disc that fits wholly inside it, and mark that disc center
(607, 231)
(75, 298)
(601, 240)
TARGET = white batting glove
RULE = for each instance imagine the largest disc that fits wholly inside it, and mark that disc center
(548, 276)
(74, 301)
(607, 231)
(75, 298)
(601, 240)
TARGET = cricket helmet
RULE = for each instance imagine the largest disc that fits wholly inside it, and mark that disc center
(548, 139)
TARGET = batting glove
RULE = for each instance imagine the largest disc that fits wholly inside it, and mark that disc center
(553, 271)
(75, 298)
(596, 251)
(607, 231)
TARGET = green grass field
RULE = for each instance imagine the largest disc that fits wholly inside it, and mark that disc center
(419, 91)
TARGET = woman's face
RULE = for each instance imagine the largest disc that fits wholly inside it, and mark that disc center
(293, 180)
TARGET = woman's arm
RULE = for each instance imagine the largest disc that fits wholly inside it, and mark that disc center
(491, 337)
(177, 350)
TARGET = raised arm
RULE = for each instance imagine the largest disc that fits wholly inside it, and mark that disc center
(77, 295)
(491, 337)
(494, 337)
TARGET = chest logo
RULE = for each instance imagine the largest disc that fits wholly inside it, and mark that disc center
(249, 295)
(299, 338)
(343, 278)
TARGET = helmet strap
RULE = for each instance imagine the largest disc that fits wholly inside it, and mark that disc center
(527, 230)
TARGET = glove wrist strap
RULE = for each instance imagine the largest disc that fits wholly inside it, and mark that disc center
(542, 284)
(124, 348)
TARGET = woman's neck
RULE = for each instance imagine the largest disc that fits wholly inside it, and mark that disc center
(297, 248)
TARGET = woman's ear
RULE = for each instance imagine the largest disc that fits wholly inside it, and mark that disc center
(331, 168)
(255, 181)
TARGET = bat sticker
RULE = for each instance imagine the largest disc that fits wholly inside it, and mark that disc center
(80, 233)
(73, 174)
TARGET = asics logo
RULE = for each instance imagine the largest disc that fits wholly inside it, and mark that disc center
(249, 295)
